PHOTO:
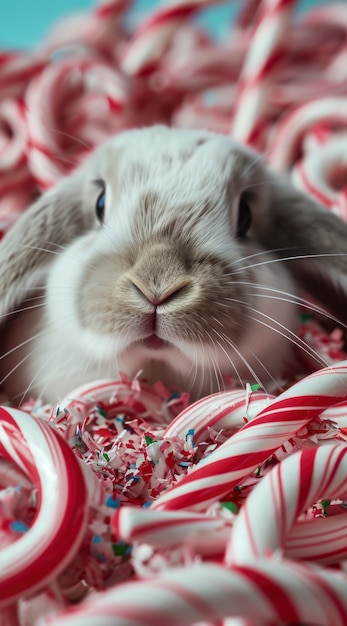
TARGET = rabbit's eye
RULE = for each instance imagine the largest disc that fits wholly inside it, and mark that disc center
(244, 218)
(100, 206)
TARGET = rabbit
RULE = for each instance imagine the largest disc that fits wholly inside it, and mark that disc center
(171, 254)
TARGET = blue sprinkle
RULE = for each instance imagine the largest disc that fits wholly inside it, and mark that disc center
(174, 396)
(97, 539)
(19, 527)
(190, 435)
(146, 505)
(184, 464)
(113, 504)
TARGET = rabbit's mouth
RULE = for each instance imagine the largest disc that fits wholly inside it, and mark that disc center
(154, 342)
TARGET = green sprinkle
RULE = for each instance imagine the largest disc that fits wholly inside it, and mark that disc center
(255, 387)
(101, 411)
(149, 440)
(231, 506)
(305, 317)
(119, 549)
(80, 446)
(325, 504)
(105, 455)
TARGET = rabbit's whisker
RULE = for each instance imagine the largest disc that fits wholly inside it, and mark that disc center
(41, 249)
(230, 343)
(265, 253)
(288, 258)
(26, 308)
(25, 358)
(23, 343)
(34, 378)
(257, 159)
(292, 299)
(69, 136)
(276, 382)
(230, 360)
(288, 334)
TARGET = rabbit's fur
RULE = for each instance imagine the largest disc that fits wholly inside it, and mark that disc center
(166, 259)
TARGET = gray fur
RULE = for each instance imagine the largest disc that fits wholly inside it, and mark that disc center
(171, 216)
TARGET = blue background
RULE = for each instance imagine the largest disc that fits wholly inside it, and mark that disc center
(24, 22)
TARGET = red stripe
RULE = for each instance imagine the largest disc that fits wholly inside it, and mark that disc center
(281, 512)
(307, 462)
(250, 535)
(110, 9)
(166, 15)
(20, 76)
(163, 525)
(278, 598)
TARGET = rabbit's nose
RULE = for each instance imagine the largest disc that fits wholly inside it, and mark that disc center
(164, 294)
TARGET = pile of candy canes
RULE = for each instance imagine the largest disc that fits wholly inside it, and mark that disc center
(231, 510)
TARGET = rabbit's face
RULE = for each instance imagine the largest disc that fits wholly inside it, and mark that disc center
(171, 271)
(164, 253)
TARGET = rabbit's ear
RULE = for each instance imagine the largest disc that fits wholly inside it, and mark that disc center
(29, 247)
(312, 238)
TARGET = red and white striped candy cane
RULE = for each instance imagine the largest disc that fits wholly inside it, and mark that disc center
(284, 494)
(320, 540)
(17, 70)
(271, 591)
(266, 50)
(337, 414)
(60, 523)
(317, 172)
(154, 35)
(14, 172)
(128, 396)
(96, 94)
(163, 529)
(235, 459)
(228, 410)
(285, 146)
(100, 29)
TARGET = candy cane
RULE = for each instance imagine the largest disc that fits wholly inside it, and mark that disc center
(286, 142)
(322, 540)
(265, 52)
(100, 29)
(267, 590)
(17, 70)
(120, 396)
(284, 493)
(48, 158)
(257, 440)
(60, 522)
(315, 174)
(221, 411)
(14, 173)
(163, 529)
(154, 35)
